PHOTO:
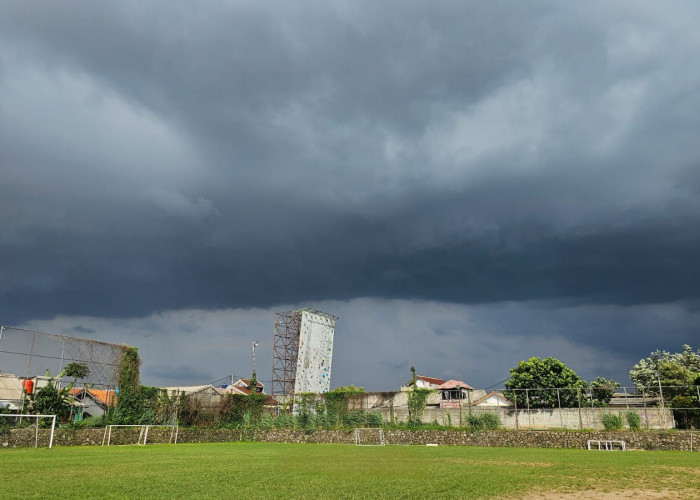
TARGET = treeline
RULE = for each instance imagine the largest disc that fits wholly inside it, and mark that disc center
(673, 378)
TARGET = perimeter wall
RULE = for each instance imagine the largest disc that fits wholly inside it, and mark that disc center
(640, 440)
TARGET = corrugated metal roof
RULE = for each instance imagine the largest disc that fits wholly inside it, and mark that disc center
(189, 389)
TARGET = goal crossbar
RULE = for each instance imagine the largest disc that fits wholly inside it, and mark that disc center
(36, 425)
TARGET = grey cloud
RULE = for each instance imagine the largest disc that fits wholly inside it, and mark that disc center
(378, 340)
(161, 157)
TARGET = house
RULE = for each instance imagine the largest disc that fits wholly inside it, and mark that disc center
(94, 402)
(241, 386)
(423, 382)
(626, 400)
(454, 393)
(203, 393)
(244, 383)
(493, 399)
(11, 391)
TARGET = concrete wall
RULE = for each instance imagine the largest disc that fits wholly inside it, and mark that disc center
(566, 418)
(396, 404)
(643, 440)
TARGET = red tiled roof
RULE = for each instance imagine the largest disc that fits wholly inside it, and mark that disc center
(453, 384)
(431, 380)
(246, 381)
(233, 389)
(270, 401)
(106, 397)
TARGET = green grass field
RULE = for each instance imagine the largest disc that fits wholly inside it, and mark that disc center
(258, 470)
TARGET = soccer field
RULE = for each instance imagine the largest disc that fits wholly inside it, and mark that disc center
(259, 470)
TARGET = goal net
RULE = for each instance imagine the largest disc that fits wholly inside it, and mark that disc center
(369, 436)
(123, 435)
(27, 430)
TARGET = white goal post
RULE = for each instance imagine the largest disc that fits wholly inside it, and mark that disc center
(369, 436)
(606, 444)
(20, 417)
(143, 433)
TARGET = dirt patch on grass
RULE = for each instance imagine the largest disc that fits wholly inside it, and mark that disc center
(641, 494)
(508, 463)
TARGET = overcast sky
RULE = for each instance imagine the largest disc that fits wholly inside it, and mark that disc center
(466, 184)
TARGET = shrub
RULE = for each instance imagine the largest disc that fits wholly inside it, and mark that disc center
(489, 421)
(265, 422)
(283, 421)
(5, 421)
(611, 422)
(633, 420)
(686, 411)
(49, 400)
(374, 419)
(354, 419)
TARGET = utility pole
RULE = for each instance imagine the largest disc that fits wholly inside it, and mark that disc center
(255, 344)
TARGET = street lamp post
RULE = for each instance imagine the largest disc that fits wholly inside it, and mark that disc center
(255, 344)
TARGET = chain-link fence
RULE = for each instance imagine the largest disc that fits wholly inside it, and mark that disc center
(31, 360)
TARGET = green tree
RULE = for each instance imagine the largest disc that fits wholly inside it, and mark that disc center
(130, 405)
(677, 373)
(603, 390)
(666, 369)
(542, 378)
(675, 379)
(76, 370)
(49, 400)
(417, 400)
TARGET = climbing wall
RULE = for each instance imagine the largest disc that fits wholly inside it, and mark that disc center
(313, 372)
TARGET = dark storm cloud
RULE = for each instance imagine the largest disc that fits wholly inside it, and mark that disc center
(187, 156)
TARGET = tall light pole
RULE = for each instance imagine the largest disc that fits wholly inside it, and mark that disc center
(255, 344)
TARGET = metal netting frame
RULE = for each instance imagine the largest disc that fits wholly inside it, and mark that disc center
(102, 358)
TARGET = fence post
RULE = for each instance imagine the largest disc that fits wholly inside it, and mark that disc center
(663, 406)
(644, 402)
(561, 419)
(515, 392)
(580, 418)
(529, 414)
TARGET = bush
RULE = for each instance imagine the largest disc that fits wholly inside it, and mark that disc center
(374, 419)
(611, 422)
(5, 421)
(283, 421)
(354, 419)
(51, 401)
(686, 412)
(633, 420)
(489, 421)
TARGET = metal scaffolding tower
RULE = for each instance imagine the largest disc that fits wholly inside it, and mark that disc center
(284, 352)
